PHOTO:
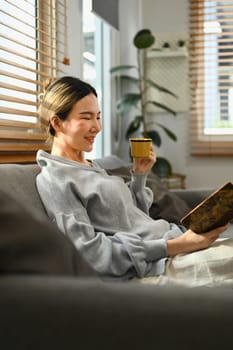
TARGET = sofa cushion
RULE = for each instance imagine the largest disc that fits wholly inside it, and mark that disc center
(30, 244)
(44, 313)
(19, 181)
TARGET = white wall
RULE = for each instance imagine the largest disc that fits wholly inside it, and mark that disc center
(130, 21)
(74, 38)
(171, 16)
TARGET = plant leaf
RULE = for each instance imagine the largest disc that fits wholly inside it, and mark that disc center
(162, 106)
(160, 88)
(143, 32)
(154, 135)
(127, 102)
(168, 132)
(129, 78)
(144, 39)
(133, 126)
(120, 68)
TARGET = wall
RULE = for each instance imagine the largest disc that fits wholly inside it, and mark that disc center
(130, 21)
(164, 17)
(74, 38)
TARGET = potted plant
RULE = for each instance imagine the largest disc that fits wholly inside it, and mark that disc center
(138, 100)
(181, 44)
(166, 45)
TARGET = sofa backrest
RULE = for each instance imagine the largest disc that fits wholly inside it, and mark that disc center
(19, 180)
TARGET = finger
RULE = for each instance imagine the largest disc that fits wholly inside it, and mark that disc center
(220, 229)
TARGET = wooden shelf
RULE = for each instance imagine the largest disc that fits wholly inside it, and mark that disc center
(167, 53)
(174, 181)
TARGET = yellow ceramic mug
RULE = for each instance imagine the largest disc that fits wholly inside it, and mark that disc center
(140, 147)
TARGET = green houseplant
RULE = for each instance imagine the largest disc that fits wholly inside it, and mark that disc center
(181, 43)
(138, 100)
(166, 45)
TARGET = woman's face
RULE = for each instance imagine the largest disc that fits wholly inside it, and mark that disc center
(78, 131)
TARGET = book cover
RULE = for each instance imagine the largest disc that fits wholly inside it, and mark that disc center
(214, 211)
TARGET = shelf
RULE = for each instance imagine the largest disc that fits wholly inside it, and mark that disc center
(174, 181)
(167, 53)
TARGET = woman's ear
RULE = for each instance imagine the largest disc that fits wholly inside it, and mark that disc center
(55, 122)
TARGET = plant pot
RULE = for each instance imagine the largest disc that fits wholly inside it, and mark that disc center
(162, 168)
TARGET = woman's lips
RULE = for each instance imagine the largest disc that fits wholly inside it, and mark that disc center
(91, 139)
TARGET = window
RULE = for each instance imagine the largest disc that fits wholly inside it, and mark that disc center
(96, 67)
(33, 47)
(211, 74)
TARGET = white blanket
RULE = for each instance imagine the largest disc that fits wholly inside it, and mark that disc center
(209, 267)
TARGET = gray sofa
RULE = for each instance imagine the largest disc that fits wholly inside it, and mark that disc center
(63, 312)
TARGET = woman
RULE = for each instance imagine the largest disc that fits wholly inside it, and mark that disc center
(107, 219)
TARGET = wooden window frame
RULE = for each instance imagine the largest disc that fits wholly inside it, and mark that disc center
(202, 144)
(21, 139)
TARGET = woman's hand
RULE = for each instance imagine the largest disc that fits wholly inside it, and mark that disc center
(191, 241)
(144, 165)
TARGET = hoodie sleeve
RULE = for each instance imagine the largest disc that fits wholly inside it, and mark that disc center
(122, 255)
(142, 195)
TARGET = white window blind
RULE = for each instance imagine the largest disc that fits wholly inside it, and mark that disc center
(33, 48)
(211, 76)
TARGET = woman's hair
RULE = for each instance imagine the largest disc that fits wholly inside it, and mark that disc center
(59, 97)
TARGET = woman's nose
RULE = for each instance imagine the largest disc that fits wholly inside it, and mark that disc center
(96, 126)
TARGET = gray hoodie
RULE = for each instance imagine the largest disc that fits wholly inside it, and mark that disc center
(107, 219)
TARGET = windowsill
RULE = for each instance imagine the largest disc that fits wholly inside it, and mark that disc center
(17, 158)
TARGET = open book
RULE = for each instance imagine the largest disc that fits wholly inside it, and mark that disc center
(214, 211)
